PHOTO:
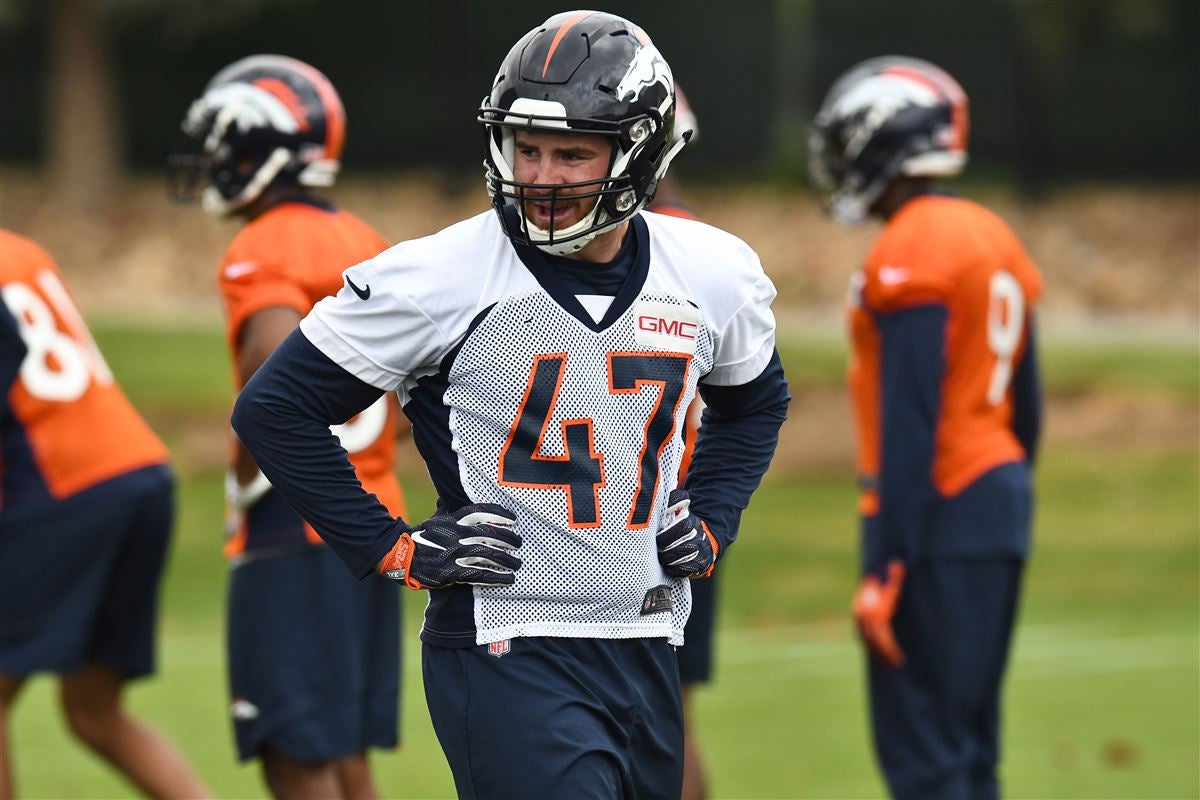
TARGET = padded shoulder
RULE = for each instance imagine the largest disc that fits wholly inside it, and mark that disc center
(727, 282)
(22, 257)
(924, 249)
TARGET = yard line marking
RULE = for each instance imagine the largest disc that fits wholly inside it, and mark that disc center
(1126, 662)
(839, 631)
(1041, 651)
(1106, 644)
(788, 652)
(1045, 657)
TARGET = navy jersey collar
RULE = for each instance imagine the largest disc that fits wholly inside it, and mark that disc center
(549, 277)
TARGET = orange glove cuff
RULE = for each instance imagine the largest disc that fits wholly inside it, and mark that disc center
(397, 564)
(716, 548)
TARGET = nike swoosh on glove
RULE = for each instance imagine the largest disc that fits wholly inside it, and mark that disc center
(473, 545)
(686, 549)
(874, 606)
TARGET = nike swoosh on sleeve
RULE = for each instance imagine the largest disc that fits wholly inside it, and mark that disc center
(240, 268)
(364, 293)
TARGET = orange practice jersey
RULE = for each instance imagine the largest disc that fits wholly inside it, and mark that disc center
(71, 426)
(691, 428)
(674, 211)
(953, 252)
(292, 256)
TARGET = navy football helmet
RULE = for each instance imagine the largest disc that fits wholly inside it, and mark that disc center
(886, 118)
(262, 120)
(584, 72)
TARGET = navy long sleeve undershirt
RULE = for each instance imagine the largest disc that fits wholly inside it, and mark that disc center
(738, 435)
(1027, 396)
(912, 365)
(913, 343)
(12, 351)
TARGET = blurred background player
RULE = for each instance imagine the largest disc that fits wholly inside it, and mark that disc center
(946, 397)
(696, 654)
(313, 654)
(86, 509)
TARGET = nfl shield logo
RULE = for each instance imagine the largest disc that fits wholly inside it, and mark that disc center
(499, 648)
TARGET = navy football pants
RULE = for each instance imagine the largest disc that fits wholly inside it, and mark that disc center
(313, 656)
(936, 721)
(558, 718)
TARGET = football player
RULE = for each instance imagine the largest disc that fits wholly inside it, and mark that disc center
(945, 388)
(313, 653)
(86, 507)
(695, 656)
(546, 352)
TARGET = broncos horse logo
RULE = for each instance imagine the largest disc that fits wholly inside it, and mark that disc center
(646, 69)
(876, 100)
(266, 104)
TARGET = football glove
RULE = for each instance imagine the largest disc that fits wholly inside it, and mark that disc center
(687, 548)
(874, 606)
(473, 545)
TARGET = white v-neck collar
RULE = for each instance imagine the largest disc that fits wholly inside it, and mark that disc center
(595, 304)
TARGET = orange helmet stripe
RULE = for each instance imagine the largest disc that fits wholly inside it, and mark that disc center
(286, 96)
(335, 116)
(558, 37)
(946, 86)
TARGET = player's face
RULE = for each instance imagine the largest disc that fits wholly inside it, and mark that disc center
(553, 159)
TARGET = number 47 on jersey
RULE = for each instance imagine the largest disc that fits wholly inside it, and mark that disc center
(579, 471)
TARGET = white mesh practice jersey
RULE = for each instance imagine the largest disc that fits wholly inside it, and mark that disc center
(518, 396)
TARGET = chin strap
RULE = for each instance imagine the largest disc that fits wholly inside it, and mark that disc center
(574, 245)
(680, 143)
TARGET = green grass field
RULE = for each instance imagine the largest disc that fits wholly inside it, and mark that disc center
(1103, 696)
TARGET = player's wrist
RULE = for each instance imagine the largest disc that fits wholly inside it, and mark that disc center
(397, 560)
(879, 592)
(882, 570)
(715, 544)
(396, 564)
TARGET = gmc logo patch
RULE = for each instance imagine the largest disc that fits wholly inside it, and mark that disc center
(669, 327)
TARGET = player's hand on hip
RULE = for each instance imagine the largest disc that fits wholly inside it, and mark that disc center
(472, 545)
(686, 548)
(874, 606)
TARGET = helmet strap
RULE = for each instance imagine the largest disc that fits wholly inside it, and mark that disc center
(322, 172)
(680, 143)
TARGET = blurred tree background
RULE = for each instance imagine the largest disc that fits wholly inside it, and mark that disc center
(1085, 116)
(1060, 89)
